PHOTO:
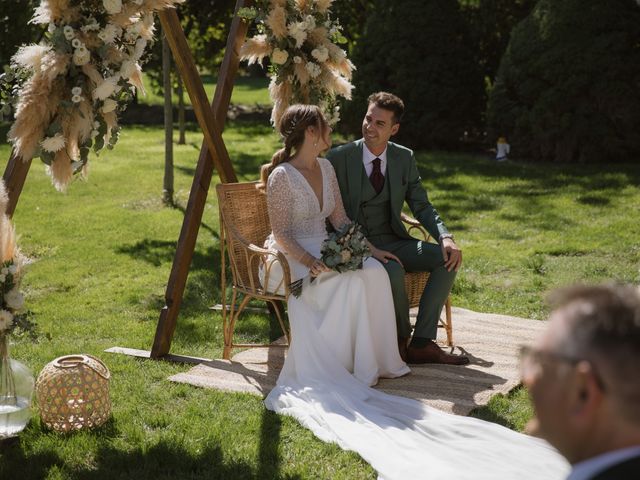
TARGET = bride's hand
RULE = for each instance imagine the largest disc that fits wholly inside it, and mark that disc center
(318, 267)
(384, 256)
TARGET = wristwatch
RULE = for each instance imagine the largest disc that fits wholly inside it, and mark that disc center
(445, 235)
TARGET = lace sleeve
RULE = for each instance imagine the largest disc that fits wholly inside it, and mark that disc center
(279, 202)
(338, 216)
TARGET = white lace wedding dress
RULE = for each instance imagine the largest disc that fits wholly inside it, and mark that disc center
(344, 339)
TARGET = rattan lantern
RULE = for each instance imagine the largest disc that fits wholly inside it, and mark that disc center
(73, 393)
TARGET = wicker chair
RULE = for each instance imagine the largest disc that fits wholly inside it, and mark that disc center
(244, 226)
(415, 281)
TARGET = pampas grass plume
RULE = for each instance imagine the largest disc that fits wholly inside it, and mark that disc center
(60, 171)
(302, 4)
(255, 49)
(30, 56)
(323, 5)
(36, 107)
(277, 22)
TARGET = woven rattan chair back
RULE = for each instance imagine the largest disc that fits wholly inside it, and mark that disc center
(415, 282)
(244, 226)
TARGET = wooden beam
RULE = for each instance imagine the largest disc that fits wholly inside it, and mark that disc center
(213, 152)
(133, 352)
(14, 177)
(205, 116)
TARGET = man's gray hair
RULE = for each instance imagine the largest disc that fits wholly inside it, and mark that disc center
(604, 328)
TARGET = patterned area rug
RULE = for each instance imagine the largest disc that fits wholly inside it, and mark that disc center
(491, 341)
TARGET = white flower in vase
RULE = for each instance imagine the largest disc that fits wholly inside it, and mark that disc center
(51, 144)
(279, 57)
(297, 59)
(77, 98)
(76, 91)
(6, 319)
(112, 6)
(76, 43)
(14, 299)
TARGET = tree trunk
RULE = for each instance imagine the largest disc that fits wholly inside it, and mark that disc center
(181, 126)
(167, 191)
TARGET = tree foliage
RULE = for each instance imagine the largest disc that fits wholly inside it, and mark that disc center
(568, 85)
(15, 28)
(420, 50)
(490, 23)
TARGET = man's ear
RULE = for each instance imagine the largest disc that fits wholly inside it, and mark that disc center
(395, 128)
(587, 394)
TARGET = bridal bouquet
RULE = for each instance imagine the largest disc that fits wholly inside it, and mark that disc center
(344, 250)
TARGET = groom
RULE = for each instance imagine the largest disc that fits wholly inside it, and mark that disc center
(376, 177)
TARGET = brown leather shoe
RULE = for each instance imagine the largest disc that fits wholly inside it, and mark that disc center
(402, 348)
(432, 353)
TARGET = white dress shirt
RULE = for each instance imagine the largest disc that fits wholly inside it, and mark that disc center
(368, 158)
(591, 467)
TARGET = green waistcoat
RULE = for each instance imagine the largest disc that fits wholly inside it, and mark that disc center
(375, 212)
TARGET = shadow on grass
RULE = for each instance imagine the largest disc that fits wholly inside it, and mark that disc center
(203, 290)
(495, 415)
(158, 462)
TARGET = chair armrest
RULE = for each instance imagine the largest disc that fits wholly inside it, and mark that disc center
(415, 228)
(254, 257)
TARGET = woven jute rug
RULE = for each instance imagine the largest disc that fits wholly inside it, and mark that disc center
(491, 342)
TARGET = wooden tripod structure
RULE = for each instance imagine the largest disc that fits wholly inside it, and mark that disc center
(213, 154)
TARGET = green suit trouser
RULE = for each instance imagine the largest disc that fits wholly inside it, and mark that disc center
(417, 256)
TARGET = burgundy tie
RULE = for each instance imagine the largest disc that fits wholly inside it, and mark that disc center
(376, 178)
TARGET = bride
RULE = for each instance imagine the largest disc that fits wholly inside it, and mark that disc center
(344, 339)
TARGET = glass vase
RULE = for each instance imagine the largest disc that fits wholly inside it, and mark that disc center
(16, 390)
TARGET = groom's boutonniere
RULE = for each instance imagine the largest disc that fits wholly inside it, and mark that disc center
(344, 250)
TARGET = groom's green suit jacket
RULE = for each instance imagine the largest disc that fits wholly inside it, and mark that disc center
(404, 180)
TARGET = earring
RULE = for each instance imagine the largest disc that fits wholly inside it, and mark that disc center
(315, 144)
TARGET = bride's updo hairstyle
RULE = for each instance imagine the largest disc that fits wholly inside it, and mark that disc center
(294, 122)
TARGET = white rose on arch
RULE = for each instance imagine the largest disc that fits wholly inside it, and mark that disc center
(112, 6)
(109, 105)
(321, 54)
(105, 89)
(279, 57)
(81, 56)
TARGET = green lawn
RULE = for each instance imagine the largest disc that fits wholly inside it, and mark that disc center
(102, 254)
(246, 91)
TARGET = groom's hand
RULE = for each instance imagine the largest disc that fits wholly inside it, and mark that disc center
(384, 256)
(452, 254)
